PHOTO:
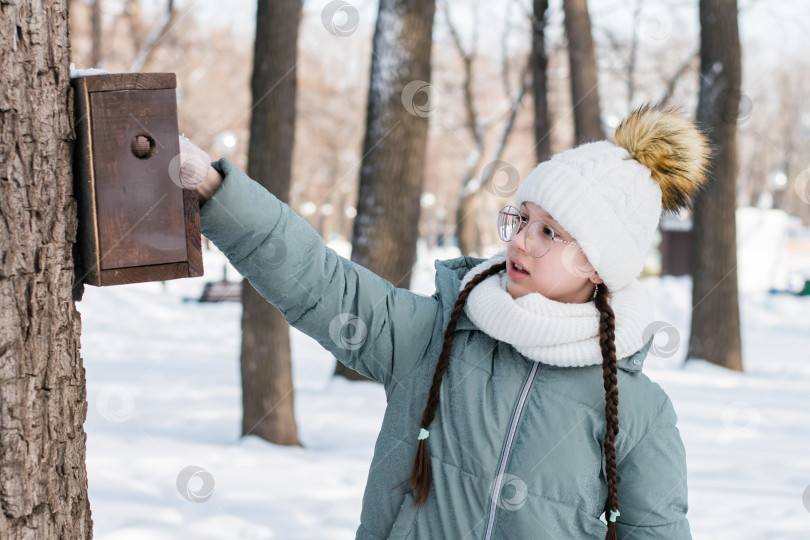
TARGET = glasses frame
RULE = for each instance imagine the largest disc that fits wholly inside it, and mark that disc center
(526, 226)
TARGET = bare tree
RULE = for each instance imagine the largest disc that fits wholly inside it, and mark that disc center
(43, 396)
(141, 42)
(583, 72)
(392, 170)
(148, 43)
(328, 151)
(715, 332)
(774, 140)
(267, 390)
(469, 238)
(628, 59)
(96, 57)
(539, 62)
(672, 81)
(132, 12)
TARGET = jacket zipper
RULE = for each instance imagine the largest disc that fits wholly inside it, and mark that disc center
(510, 437)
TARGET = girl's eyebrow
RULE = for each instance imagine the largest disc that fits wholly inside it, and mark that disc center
(546, 217)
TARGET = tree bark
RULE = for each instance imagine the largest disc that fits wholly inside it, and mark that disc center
(583, 72)
(394, 147)
(267, 389)
(715, 332)
(43, 396)
(400, 101)
(539, 60)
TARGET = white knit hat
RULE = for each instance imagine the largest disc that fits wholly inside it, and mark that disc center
(609, 195)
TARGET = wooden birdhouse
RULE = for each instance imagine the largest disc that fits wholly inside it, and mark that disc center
(136, 223)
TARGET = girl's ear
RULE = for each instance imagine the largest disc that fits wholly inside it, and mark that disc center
(595, 278)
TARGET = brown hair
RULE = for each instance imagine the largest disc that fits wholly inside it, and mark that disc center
(420, 477)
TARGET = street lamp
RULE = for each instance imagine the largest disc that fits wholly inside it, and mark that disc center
(225, 143)
(777, 181)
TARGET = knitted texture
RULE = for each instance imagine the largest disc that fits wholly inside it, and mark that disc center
(192, 167)
(606, 200)
(555, 333)
(609, 195)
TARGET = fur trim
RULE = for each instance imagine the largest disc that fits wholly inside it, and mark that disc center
(672, 147)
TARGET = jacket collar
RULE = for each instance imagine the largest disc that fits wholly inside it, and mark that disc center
(449, 273)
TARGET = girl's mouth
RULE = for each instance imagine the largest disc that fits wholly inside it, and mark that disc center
(514, 273)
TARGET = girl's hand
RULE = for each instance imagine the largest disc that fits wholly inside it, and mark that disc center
(196, 171)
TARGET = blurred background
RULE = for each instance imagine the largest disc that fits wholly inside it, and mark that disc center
(645, 52)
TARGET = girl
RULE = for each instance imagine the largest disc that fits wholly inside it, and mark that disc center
(503, 411)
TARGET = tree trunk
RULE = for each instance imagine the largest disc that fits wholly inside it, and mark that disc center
(715, 332)
(267, 389)
(385, 228)
(43, 396)
(95, 25)
(466, 225)
(539, 60)
(583, 73)
(400, 101)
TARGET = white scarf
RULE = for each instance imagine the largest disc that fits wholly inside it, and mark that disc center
(556, 333)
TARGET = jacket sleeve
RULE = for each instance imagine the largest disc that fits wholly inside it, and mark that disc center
(378, 330)
(652, 483)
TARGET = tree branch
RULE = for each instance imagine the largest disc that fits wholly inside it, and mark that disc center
(155, 35)
(676, 76)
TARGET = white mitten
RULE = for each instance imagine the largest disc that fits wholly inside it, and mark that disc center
(193, 165)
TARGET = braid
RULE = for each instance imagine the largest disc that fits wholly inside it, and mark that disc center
(607, 326)
(420, 477)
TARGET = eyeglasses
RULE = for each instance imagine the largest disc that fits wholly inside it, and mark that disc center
(539, 235)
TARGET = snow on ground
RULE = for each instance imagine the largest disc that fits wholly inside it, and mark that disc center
(164, 417)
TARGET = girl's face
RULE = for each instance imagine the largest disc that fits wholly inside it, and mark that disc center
(562, 274)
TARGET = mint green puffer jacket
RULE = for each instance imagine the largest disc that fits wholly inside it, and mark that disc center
(516, 445)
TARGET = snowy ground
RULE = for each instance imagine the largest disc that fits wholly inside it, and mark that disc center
(164, 395)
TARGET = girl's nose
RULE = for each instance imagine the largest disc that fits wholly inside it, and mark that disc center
(519, 245)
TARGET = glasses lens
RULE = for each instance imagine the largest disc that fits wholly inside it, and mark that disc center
(508, 221)
(538, 239)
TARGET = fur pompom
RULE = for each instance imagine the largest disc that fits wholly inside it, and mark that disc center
(672, 147)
